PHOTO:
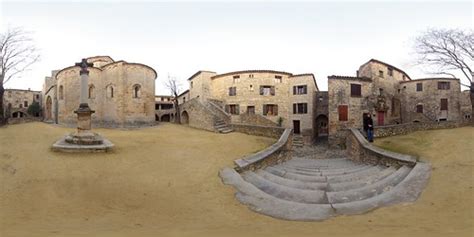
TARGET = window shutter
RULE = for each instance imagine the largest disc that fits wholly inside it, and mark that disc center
(227, 108)
(261, 90)
(342, 111)
(444, 104)
(305, 89)
(294, 90)
(294, 108)
(272, 90)
(305, 108)
(275, 110)
(237, 108)
(264, 109)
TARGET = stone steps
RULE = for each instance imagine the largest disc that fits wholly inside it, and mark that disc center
(317, 189)
(298, 140)
(222, 127)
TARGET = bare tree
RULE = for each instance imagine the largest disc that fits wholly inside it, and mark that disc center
(448, 52)
(17, 54)
(174, 86)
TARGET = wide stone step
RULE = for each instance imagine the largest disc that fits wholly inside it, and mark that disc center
(263, 203)
(408, 190)
(354, 176)
(285, 192)
(298, 177)
(369, 179)
(370, 190)
(291, 183)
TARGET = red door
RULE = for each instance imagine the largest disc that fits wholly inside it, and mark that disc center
(380, 118)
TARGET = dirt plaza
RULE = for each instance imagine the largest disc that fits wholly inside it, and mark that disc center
(162, 181)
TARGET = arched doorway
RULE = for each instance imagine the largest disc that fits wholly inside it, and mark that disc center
(18, 114)
(49, 112)
(322, 125)
(184, 117)
(165, 118)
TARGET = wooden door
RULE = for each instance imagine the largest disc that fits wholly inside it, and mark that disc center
(380, 118)
(296, 126)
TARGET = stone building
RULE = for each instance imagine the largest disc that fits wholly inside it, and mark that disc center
(391, 97)
(121, 93)
(16, 103)
(259, 97)
(164, 108)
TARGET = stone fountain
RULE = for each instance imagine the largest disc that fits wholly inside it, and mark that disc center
(83, 140)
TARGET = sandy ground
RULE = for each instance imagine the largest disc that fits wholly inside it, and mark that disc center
(163, 181)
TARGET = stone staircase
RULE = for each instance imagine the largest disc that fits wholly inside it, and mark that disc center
(316, 189)
(222, 127)
(298, 140)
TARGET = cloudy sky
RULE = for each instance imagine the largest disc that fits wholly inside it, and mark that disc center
(180, 38)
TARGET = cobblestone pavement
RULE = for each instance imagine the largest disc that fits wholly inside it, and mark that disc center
(319, 150)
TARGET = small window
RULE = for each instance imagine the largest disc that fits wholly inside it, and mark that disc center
(390, 71)
(277, 79)
(25, 103)
(300, 90)
(250, 75)
(37, 97)
(267, 90)
(300, 108)
(380, 73)
(419, 109)
(250, 109)
(184, 100)
(342, 111)
(61, 92)
(233, 109)
(91, 91)
(356, 90)
(251, 88)
(21, 105)
(232, 91)
(236, 79)
(380, 91)
(419, 86)
(191, 84)
(403, 77)
(136, 91)
(270, 110)
(444, 104)
(443, 85)
(320, 98)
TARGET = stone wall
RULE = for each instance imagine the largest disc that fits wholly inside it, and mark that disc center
(111, 94)
(15, 100)
(274, 154)
(24, 120)
(360, 150)
(400, 129)
(430, 100)
(255, 119)
(466, 106)
(198, 115)
(265, 131)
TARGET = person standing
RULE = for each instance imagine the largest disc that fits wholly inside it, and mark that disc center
(370, 128)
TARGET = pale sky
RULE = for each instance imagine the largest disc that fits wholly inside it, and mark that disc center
(323, 38)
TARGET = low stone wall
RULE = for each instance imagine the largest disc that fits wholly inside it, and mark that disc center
(360, 150)
(24, 120)
(255, 119)
(265, 131)
(278, 152)
(400, 129)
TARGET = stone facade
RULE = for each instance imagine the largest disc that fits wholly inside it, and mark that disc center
(391, 97)
(279, 97)
(16, 103)
(422, 99)
(164, 108)
(121, 93)
(466, 108)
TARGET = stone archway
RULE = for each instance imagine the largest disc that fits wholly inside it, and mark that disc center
(49, 112)
(184, 117)
(322, 125)
(165, 118)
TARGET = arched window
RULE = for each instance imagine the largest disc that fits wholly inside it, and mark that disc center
(110, 91)
(136, 91)
(61, 92)
(91, 92)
